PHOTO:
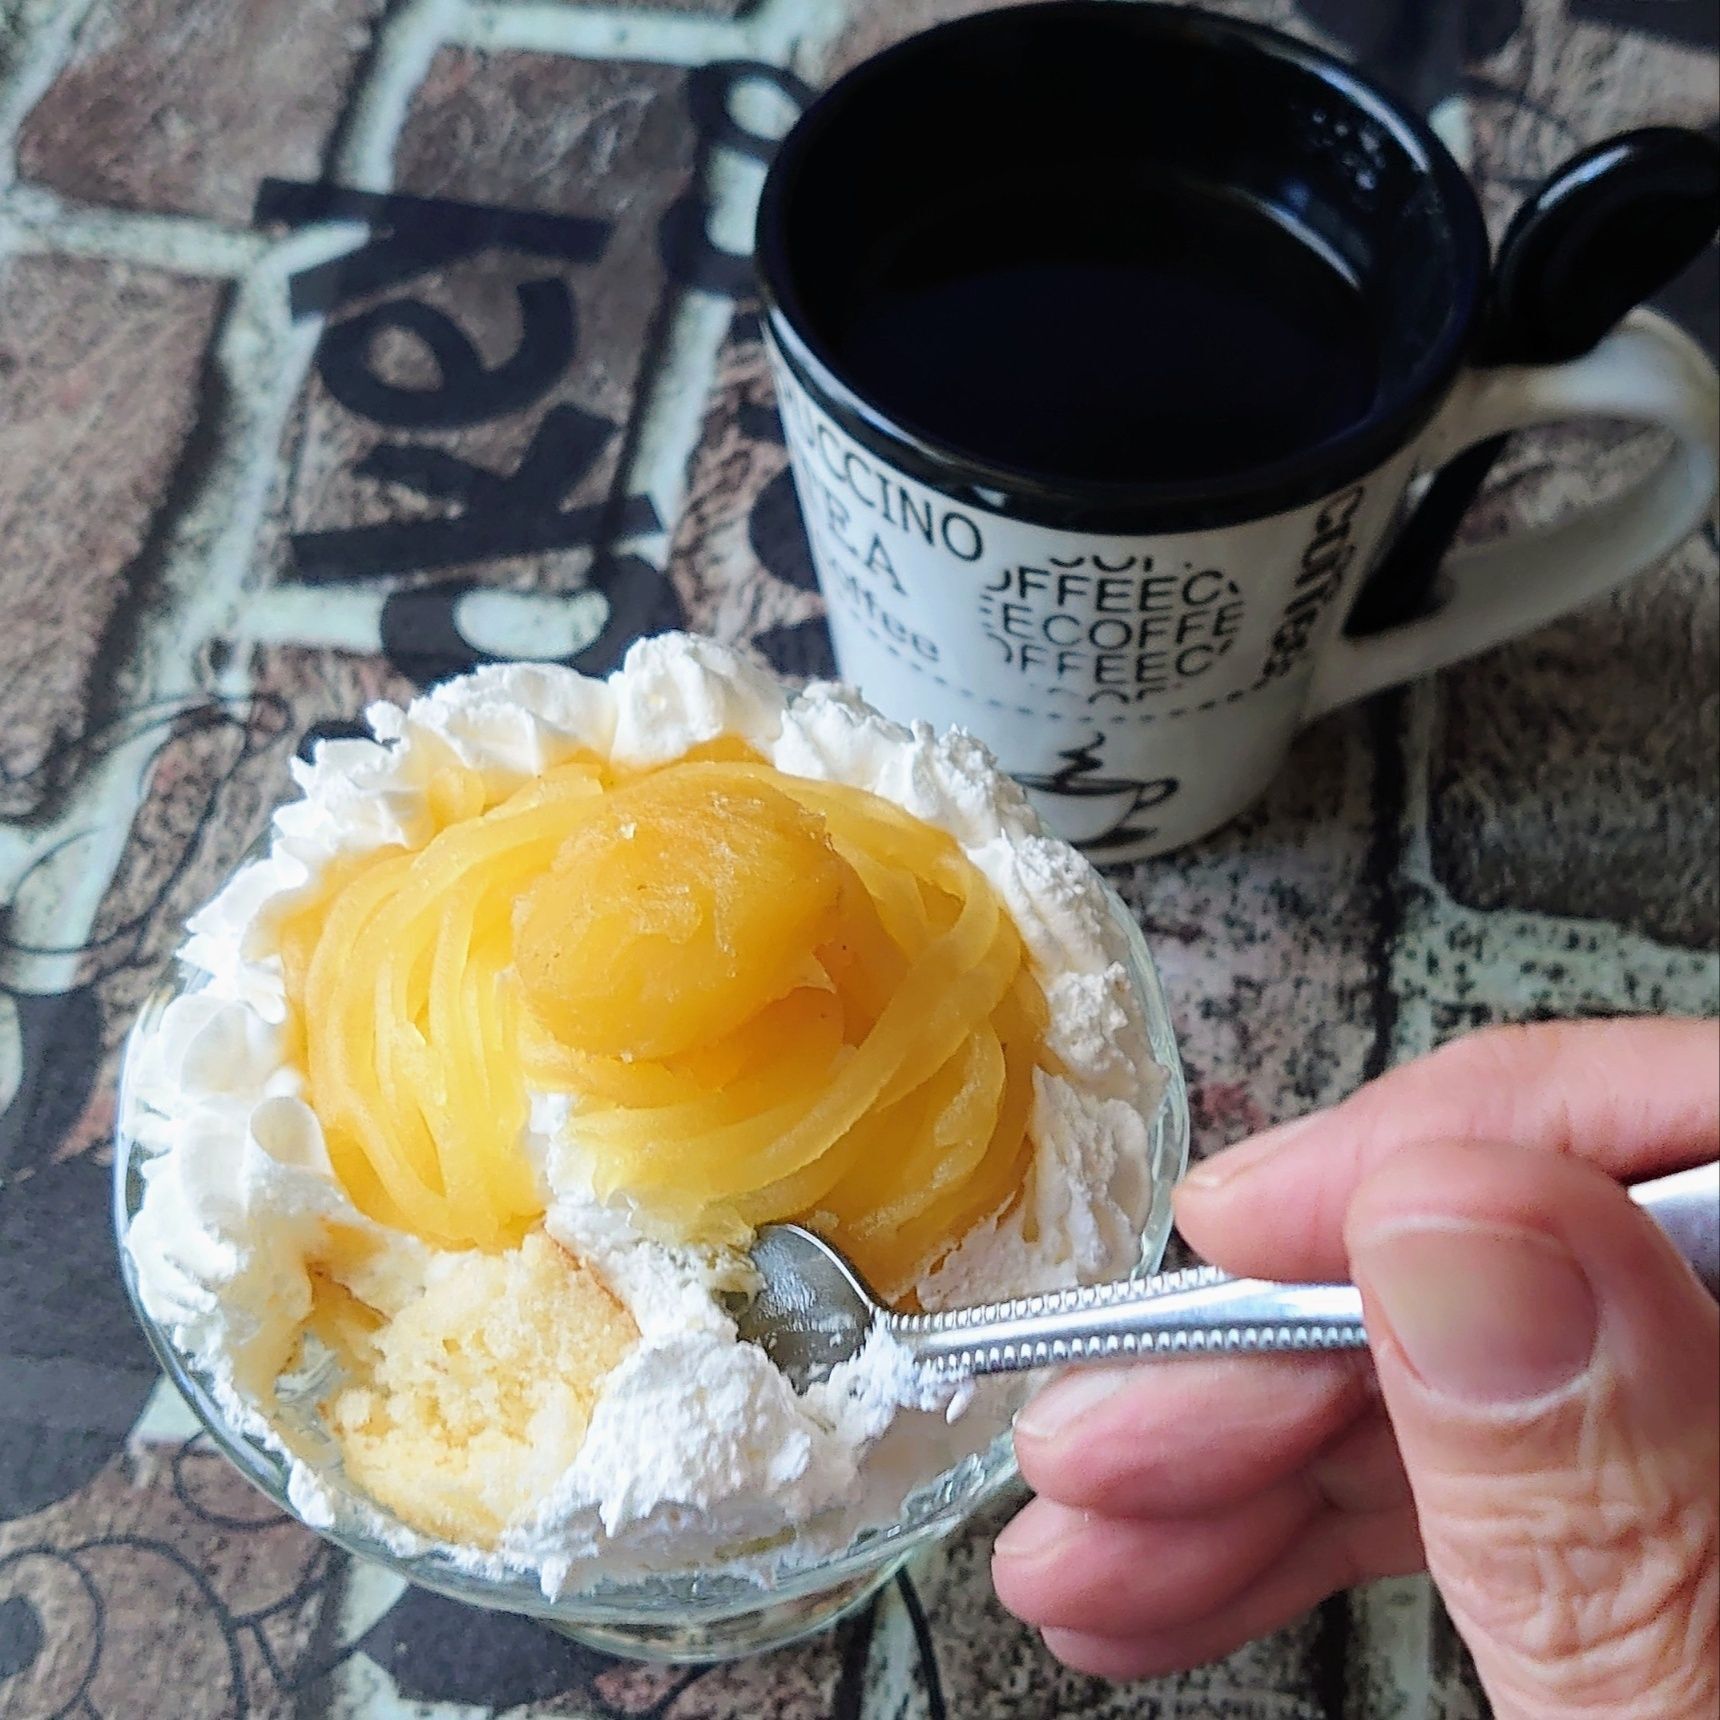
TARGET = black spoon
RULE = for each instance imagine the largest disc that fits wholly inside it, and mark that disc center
(1607, 231)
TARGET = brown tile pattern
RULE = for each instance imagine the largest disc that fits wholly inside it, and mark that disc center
(181, 106)
(100, 368)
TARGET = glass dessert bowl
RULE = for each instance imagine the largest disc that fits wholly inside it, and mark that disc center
(220, 1179)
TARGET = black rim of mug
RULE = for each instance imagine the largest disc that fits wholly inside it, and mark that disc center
(1133, 506)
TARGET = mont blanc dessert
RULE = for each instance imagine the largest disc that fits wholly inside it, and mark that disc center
(539, 1003)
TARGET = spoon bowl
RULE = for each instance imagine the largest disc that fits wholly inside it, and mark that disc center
(811, 1310)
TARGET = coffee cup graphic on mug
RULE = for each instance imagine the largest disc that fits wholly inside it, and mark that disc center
(1112, 344)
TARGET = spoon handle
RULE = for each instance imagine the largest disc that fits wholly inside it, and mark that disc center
(1202, 1311)
(1207, 1312)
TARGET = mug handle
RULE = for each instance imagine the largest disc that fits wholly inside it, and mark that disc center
(1648, 371)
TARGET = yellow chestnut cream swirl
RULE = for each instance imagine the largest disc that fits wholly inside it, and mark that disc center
(766, 997)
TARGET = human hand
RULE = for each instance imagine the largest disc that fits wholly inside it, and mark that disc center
(1538, 1423)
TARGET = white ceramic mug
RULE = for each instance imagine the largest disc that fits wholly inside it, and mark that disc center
(1140, 654)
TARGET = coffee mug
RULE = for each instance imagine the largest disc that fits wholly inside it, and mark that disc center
(1113, 344)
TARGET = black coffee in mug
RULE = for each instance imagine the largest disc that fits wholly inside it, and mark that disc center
(1110, 341)
(1161, 325)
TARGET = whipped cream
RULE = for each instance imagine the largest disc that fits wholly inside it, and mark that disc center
(697, 1447)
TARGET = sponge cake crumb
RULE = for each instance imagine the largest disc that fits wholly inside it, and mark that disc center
(463, 1407)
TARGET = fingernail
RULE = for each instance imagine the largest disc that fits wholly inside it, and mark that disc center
(1482, 1314)
(1225, 1166)
(1064, 1402)
(1030, 1534)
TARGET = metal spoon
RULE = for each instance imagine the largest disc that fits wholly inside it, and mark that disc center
(813, 1311)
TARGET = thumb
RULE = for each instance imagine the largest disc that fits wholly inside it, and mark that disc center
(1552, 1371)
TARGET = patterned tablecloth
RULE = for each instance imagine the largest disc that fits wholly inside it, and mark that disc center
(244, 488)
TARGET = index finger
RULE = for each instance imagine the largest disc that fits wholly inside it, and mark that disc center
(1635, 1097)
